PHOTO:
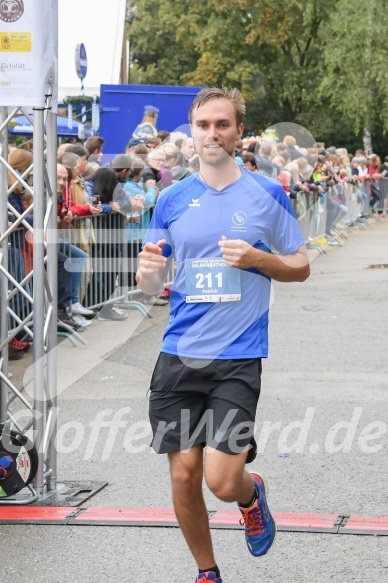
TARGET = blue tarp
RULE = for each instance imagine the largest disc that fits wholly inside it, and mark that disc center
(122, 109)
(24, 128)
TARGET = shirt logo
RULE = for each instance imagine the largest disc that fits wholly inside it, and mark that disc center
(239, 218)
(195, 202)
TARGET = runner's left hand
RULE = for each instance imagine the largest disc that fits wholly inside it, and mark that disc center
(237, 253)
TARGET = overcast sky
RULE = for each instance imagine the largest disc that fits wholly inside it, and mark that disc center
(99, 26)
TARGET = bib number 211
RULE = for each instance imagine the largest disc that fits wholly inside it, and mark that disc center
(210, 279)
(206, 280)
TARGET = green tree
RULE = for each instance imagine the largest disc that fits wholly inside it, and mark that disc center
(317, 63)
(158, 57)
(270, 51)
(355, 59)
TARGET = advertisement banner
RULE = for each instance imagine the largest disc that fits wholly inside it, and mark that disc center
(28, 52)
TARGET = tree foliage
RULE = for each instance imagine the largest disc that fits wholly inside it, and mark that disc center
(355, 57)
(305, 61)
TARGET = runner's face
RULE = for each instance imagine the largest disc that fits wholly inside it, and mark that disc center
(215, 131)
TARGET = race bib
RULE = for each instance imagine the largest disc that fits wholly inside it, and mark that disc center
(210, 279)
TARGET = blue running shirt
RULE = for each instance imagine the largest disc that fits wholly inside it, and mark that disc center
(192, 217)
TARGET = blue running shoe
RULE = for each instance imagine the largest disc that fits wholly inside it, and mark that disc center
(208, 576)
(260, 527)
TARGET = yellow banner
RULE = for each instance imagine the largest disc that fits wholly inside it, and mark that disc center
(15, 42)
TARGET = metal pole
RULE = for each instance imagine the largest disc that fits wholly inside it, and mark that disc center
(124, 264)
(52, 275)
(4, 262)
(39, 294)
(83, 109)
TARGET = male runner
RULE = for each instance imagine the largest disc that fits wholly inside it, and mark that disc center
(230, 231)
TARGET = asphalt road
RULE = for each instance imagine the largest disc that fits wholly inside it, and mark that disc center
(321, 428)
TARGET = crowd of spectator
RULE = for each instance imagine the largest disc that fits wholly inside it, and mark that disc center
(124, 191)
(319, 170)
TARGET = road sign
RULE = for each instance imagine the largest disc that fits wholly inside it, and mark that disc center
(81, 61)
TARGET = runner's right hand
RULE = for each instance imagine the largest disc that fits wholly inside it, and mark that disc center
(151, 259)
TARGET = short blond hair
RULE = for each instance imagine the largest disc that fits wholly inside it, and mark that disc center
(289, 141)
(231, 94)
(170, 150)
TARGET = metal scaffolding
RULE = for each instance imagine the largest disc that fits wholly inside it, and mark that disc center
(28, 289)
(30, 411)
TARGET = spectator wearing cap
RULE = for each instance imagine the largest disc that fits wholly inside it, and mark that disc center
(122, 164)
(133, 142)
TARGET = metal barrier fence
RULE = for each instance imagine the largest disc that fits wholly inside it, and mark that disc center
(108, 269)
(310, 210)
(315, 212)
(108, 275)
(112, 245)
(382, 204)
(20, 300)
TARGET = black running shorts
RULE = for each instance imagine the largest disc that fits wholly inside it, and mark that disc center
(213, 403)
